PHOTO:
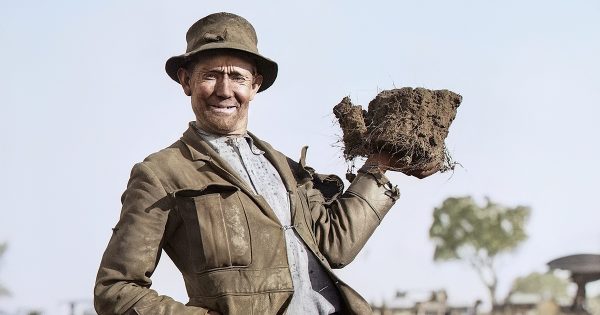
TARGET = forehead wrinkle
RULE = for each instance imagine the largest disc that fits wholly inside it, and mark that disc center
(227, 69)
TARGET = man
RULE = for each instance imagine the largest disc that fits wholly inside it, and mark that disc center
(252, 231)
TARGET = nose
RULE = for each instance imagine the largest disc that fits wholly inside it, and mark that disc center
(223, 87)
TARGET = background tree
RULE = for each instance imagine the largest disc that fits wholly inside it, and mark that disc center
(3, 290)
(464, 230)
(545, 285)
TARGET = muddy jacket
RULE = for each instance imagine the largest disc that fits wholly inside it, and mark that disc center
(226, 240)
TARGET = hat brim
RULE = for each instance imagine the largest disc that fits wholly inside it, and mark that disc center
(264, 66)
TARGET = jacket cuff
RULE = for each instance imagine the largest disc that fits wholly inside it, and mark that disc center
(376, 189)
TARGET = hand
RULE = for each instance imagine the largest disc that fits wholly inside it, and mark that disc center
(429, 169)
(385, 161)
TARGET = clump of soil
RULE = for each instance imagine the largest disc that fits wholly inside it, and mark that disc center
(410, 124)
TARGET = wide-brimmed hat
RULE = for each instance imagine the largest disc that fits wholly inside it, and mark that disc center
(224, 31)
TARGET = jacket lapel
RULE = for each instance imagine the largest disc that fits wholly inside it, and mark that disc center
(200, 150)
(279, 161)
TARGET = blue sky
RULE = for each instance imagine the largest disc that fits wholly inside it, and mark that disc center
(83, 96)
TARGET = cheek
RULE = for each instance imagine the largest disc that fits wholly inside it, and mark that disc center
(203, 89)
(251, 95)
(200, 96)
(244, 94)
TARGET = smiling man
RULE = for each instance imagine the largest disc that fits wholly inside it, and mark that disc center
(252, 231)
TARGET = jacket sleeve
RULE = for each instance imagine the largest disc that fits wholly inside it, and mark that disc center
(123, 280)
(343, 222)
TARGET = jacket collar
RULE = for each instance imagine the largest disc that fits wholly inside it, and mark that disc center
(198, 148)
(201, 150)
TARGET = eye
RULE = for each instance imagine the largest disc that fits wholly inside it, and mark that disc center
(209, 76)
(238, 78)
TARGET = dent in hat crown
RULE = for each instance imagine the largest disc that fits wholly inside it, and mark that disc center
(222, 27)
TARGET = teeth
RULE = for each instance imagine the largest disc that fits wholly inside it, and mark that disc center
(224, 110)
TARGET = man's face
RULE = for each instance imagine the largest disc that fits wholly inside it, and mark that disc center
(221, 88)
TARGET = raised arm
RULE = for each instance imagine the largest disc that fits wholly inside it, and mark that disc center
(342, 224)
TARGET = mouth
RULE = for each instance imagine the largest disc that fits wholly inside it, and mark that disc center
(223, 109)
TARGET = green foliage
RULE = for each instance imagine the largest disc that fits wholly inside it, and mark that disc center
(546, 285)
(3, 290)
(460, 225)
(464, 230)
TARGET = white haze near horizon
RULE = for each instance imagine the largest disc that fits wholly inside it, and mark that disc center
(83, 96)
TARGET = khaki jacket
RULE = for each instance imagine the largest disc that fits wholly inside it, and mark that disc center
(225, 240)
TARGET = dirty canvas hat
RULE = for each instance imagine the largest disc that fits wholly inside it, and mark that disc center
(225, 31)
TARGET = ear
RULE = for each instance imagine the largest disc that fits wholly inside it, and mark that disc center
(256, 83)
(184, 80)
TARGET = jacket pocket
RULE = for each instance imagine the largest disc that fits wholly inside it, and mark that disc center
(216, 226)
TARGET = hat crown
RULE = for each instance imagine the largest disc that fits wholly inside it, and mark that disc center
(222, 27)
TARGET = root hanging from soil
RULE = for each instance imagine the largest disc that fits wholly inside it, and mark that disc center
(409, 124)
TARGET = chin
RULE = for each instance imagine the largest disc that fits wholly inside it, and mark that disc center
(228, 129)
